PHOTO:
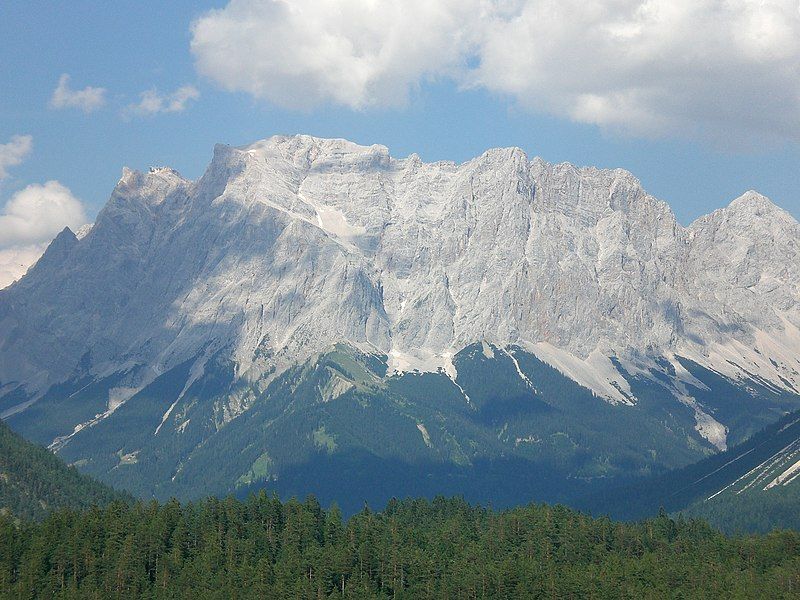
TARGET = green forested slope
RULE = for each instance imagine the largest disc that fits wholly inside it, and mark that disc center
(749, 487)
(33, 481)
(262, 548)
(756, 511)
(508, 430)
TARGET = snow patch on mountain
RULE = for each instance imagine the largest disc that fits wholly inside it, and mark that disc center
(596, 372)
(421, 361)
(514, 360)
(785, 478)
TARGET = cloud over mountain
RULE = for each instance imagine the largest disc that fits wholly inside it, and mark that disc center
(719, 70)
(151, 102)
(353, 53)
(30, 219)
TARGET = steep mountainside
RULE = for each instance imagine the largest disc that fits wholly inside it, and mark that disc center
(752, 511)
(33, 482)
(754, 486)
(762, 497)
(311, 305)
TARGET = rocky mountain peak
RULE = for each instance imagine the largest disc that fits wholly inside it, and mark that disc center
(290, 245)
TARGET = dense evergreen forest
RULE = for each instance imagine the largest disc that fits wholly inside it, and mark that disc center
(33, 481)
(263, 548)
(63, 535)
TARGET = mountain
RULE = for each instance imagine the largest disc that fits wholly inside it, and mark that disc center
(33, 482)
(753, 486)
(315, 315)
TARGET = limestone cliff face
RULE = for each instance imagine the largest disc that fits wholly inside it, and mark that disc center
(293, 244)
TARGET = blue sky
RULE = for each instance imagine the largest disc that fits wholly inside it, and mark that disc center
(697, 136)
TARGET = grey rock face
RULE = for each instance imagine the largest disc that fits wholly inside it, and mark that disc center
(293, 244)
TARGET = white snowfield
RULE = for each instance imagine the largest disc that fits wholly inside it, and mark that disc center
(292, 244)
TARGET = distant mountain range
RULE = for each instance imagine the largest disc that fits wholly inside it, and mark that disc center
(316, 316)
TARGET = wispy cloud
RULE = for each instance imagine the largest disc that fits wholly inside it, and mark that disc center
(151, 102)
(698, 68)
(14, 152)
(88, 99)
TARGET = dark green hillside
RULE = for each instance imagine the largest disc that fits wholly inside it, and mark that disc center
(34, 482)
(262, 548)
(746, 488)
(759, 511)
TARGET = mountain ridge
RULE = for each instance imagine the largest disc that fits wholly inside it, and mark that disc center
(287, 247)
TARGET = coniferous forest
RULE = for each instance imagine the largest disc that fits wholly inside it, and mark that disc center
(33, 481)
(445, 548)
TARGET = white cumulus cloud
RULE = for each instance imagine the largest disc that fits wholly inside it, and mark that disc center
(14, 152)
(30, 219)
(358, 53)
(15, 262)
(88, 99)
(151, 102)
(721, 69)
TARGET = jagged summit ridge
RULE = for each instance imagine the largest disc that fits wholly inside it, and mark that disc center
(752, 200)
(290, 245)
